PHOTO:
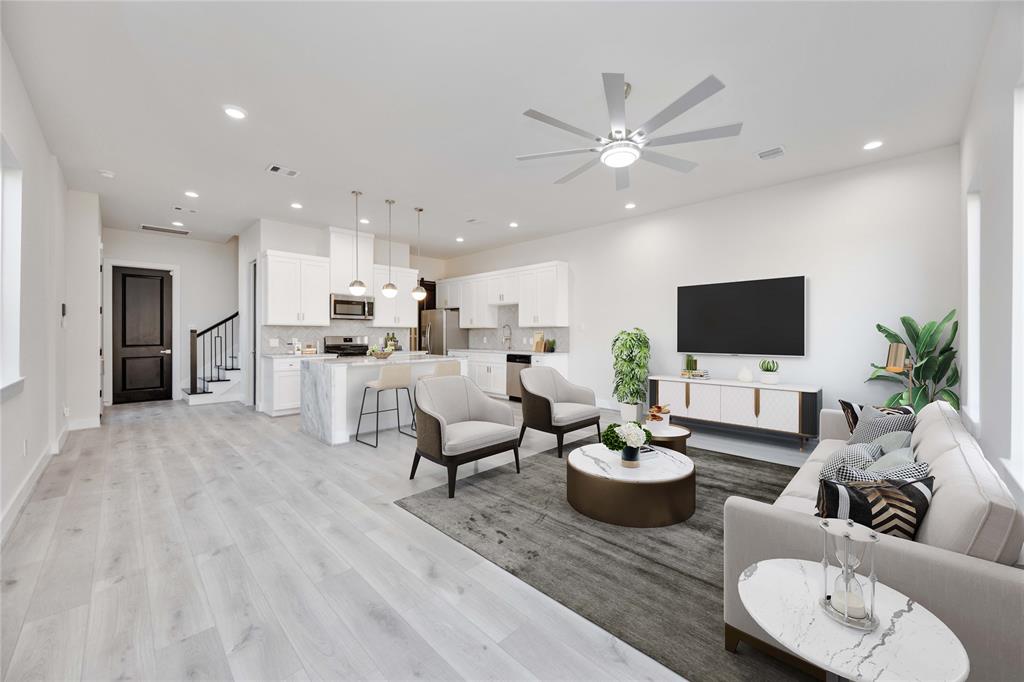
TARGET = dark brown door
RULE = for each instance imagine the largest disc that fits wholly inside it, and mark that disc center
(142, 335)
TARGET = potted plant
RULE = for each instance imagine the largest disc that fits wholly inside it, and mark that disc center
(769, 371)
(631, 351)
(929, 369)
(626, 439)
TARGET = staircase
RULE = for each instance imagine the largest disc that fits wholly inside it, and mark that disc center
(214, 373)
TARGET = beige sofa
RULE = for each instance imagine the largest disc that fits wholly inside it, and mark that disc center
(961, 567)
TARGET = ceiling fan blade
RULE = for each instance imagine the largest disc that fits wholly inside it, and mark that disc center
(695, 96)
(731, 130)
(582, 169)
(681, 165)
(564, 152)
(615, 95)
(551, 121)
(621, 178)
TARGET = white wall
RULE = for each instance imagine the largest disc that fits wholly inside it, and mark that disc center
(875, 242)
(209, 282)
(431, 269)
(987, 169)
(84, 297)
(32, 423)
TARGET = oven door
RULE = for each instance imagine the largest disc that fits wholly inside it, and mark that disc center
(351, 308)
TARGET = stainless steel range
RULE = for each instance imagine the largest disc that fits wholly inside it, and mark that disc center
(346, 346)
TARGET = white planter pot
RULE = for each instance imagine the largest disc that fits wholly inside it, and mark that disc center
(631, 412)
(769, 377)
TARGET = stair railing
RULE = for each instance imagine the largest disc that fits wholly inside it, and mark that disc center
(214, 351)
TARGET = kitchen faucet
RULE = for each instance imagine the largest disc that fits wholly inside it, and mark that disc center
(506, 338)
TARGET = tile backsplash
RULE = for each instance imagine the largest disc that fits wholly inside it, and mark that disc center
(315, 335)
(509, 314)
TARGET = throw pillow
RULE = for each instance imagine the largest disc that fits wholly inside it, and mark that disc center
(859, 456)
(892, 507)
(892, 459)
(903, 472)
(893, 441)
(874, 423)
(853, 411)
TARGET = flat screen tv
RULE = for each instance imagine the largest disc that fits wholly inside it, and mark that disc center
(756, 317)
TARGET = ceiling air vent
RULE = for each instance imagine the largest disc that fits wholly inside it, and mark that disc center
(165, 230)
(773, 153)
(184, 210)
(278, 169)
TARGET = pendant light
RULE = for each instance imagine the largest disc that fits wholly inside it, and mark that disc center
(357, 287)
(389, 290)
(419, 293)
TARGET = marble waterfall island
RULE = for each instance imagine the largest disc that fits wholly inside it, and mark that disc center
(332, 394)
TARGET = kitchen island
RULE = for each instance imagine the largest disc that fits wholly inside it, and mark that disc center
(332, 394)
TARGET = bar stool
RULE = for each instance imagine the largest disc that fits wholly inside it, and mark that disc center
(392, 377)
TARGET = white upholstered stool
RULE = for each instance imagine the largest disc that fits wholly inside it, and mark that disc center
(392, 378)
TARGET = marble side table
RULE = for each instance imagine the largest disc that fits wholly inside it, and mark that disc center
(910, 643)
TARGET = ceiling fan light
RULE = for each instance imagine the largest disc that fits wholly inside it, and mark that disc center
(357, 287)
(620, 154)
(389, 290)
(419, 293)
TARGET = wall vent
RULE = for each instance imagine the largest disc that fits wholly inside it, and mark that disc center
(184, 210)
(773, 153)
(278, 169)
(165, 230)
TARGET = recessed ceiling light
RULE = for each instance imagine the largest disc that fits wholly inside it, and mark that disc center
(513, 224)
(364, 221)
(178, 223)
(631, 205)
(191, 195)
(296, 205)
(108, 174)
(237, 113)
(874, 144)
(459, 239)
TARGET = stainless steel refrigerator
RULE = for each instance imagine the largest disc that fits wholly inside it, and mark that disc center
(440, 332)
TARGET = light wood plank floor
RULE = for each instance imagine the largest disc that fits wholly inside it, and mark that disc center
(211, 542)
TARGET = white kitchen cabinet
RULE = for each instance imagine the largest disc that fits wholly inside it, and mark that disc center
(503, 289)
(402, 310)
(282, 385)
(475, 312)
(488, 373)
(296, 289)
(344, 247)
(557, 361)
(778, 410)
(544, 296)
(738, 406)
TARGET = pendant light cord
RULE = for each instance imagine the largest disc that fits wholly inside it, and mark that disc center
(419, 212)
(390, 203)
(356, 194)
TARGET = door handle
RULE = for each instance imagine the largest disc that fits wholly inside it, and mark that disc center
(166, 351)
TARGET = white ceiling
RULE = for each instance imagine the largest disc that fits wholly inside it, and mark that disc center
(423, 103)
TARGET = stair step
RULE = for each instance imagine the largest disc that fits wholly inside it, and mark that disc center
(198, 392)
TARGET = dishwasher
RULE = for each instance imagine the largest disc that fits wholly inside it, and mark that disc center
(513, 365)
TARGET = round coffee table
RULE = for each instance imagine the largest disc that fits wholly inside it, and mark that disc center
(659, 492)
(669, 435)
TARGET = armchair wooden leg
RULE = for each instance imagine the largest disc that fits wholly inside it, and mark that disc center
(415, 463)
(515, 453)
(522, 432)
(560, 437)
(453, 469)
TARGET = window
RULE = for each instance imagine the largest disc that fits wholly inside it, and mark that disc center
(1017, 328)
(10, 269)
(972, 394)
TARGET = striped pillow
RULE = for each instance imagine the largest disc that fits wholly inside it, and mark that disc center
(875, 424)
(853, 411)
(885, 506)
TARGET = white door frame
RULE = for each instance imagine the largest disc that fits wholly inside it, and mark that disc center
(108, 321)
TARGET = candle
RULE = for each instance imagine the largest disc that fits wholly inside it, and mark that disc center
(841, 601)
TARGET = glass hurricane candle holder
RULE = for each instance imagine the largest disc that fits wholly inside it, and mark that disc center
(852, 545)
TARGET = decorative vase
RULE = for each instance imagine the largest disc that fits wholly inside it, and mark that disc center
(630, 457)
(631, 412)
(745, 374)
(769, 377)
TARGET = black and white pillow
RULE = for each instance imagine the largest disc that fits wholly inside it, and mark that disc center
(904, 472)
(886, 506)
(858, 456)
(874, 424)
(853, 411)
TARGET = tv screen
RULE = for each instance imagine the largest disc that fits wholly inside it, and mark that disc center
(757, 317)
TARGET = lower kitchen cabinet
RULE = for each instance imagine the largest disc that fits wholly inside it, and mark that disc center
(281, 385)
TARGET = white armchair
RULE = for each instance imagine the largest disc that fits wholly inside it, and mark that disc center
(553, 405)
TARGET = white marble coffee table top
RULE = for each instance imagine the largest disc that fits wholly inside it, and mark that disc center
(910, 643)
(657, 465)
(663, 429)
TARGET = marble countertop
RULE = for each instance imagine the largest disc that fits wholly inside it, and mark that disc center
(293, 356)
(502, 350)
(659, 465)
(367, 361)
(910, 643)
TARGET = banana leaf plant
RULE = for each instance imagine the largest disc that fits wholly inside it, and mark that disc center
(933, 372)
(631, 351)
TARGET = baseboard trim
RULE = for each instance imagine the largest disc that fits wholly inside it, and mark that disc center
(733, 637)
(86, 423)
(20, 499)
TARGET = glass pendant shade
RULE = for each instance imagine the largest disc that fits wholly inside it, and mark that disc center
(357, 287)
(389, 290)
(419, 293)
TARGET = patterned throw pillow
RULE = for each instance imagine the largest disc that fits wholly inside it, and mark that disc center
(902, 472)
(853, 411)
(874, 423)
(886, 506)
(860, 456)
(893, 459)
(894, 440)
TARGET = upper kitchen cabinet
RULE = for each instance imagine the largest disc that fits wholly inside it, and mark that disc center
(449, 294)
(296, 289)
(403, 309)
(542, 292)
(503, 289)
(475, 312)
(344, 246)
(544, 296)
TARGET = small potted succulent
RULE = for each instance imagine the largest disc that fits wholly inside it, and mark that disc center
(769, 371)
(627, 439)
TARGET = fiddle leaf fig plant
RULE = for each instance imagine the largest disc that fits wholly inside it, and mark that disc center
(931, 373)
(631, 351)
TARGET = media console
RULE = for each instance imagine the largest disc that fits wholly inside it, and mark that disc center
(785, 409)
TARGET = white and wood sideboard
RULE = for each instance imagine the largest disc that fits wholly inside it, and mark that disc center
(786, 409)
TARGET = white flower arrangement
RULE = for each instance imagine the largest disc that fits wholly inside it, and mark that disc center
(632, 434)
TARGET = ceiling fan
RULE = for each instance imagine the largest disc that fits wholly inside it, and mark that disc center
(621, 147)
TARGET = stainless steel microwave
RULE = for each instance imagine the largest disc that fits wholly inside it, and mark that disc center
(347, 307)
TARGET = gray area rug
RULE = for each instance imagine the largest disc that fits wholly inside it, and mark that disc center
(659, 589)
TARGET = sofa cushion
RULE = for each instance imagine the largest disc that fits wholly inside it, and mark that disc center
(858, 455)
(893, 459)
(473, 435)
(894, 440)
(874, 423)
(805, 482)
(568, 413)
(893, 507)
(803, 505)
(825, 448)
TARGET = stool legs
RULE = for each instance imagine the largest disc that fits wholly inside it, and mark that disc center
(399, 414)
(376, 413)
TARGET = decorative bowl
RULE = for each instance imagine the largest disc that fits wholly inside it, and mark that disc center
(382, 354)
